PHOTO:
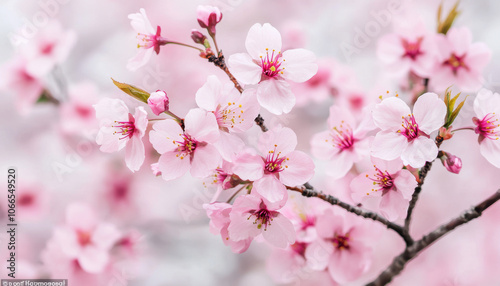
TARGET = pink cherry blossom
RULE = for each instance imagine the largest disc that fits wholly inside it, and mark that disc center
(234, 112)
(119, 128)
(208, 17)
(266, 66)
(77, 114)
(487, 121)
(191, 148)
(158, 101)
(409, 49)
(389, 182)
(219, 223)
(251, 216)
(451, 162)
(26, 88)
(405, 134)
(50, 47)
(343, 246)
(281, 166)
(85, 239)
(460, 62)
(343, 144)
(149, 39)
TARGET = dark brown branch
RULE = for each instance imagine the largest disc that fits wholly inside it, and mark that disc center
(221, 63)
(412, 251)
(422, 174)
(308, 191)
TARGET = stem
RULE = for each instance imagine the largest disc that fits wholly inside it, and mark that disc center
(185, 45)
(463, 128)
(215, 42)
(176, 118)
(412, 251)
(422, 174)
(234, 195)
(308, 191)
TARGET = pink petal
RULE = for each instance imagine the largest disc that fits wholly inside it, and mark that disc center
(387, 115)
(280, 232)
(389, 49)
(207, 96)
(271, 189)
(318, 254)
(229, 145)
(486, 102)
(81, 217)
(393, 206)
(239, 246)
(429, 112)
(276, 96)
(490, 149)
(299, 65)
(388, 145)
(262, 37)
(172, 166)
(202, 125)
(392, 167)
(341, 116)
(134, 153)
(109, 141)
(249, 167)
(362, 187)
(341, 163)
(108, 110)
(105, 236)
(478, 56)
(279, 140)
(328, 224)
(460, 40)
(244, 69)
(246, 203)
(348, 265)
(205, 160)
(241, 227)
(299, 168)
(164, 135)
(141, 121)
(419, 151)
(406, 183)
(140, 59)
(321, 146)
(93, 260)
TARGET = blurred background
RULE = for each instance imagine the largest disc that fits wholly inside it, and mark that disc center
(162, 223)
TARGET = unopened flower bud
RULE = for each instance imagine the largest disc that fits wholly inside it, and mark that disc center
(208, 17)
(198, 37)
(445, 133)
(451, 162)
(158, 101)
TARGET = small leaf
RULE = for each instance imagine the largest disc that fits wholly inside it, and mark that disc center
(444, 26)
(133, 91)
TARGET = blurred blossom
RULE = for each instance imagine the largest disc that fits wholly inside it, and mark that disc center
(487, 109)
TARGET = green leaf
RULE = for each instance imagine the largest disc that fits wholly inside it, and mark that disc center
(444, 26)
(133, 91)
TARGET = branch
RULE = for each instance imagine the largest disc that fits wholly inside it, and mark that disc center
(422, 174)
(221, 63)
(412, 251)
(308, 191)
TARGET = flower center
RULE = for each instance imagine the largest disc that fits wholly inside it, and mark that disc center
(186, 147)
(273, 162)
(342, 137)
(230, 115)
(299, 248)
(488, 127)
(412, 49)
(410, 127)
(26, 199)
(456, 62)
(271, 63)
(125, 128)
(83, 237)
(263, 216)
(382, 181)
(341, 242)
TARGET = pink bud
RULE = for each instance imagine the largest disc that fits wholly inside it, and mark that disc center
(451, 162)
(158, 101)
(208, 17)
(198, 37)
(156, 169)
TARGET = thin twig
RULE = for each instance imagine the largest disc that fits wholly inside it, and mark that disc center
(422, 174)
(308, 191)
(412, 251)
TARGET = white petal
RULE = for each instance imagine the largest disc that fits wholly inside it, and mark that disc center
(207, 95)
(276, 96)
(388, 145)
(429, 112)
(299, 65)
(260, 38)
(419, 151)
(244, 69)
(388, 114)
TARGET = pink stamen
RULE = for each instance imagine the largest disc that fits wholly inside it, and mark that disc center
(412, 49)
(341, 242)
(342, 137)
(456, 62)
(126, 128)
(273, 162)
(410, 128)
(186, 147)
(488, 127)
(271, 64)
(263, 216)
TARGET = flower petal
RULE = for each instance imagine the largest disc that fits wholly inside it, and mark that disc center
(299, 65)
(262, 37)
(134, 153)
(206, 159)
(202, 125)
(207, 96)
(490, 149)
(393, 206)
(280, 232)
(419, 151)
(387, 115)
(164, 135)
(388, 145)
(299, 168)
(271, 189)
(172, 166)
(406, 183)
(276, 96)
(429, 112)
(244, 69)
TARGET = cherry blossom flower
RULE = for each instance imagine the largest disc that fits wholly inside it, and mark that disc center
(343, 144)
(268, 67)
(26, 88)
(77, 113)
(234, 112)
(389, 182)
(281, 166)
(405, 134)
(251, 216)
(149, 39)
(208, 17)
(460, 61)
(85, 239)
(49, 48)
(410, 49)
(219, 223)
(487, 121)
(190, 149)
(343, 246)
(158, 101)
(451, 162)
(119, 128)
